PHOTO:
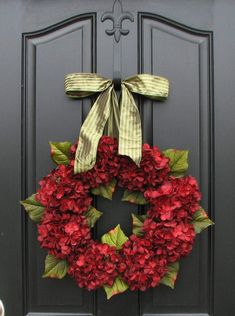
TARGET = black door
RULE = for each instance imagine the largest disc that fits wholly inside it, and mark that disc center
(189, 42)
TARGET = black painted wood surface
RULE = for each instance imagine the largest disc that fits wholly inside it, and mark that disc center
(189, 42)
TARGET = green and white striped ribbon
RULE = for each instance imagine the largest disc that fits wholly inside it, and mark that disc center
(123, 123)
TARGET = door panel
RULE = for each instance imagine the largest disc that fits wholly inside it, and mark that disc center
(43, 41)
(47, 56)
(183, 55)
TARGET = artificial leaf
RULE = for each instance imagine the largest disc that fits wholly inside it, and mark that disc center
(136, 197)
(178, 161)
(92, 216)
(119, 286)
(171, 275)
(34, 208)
(201, 220)
(137, 222)
(60, 152)
(55, 268)
(114, 237)
(105, 191)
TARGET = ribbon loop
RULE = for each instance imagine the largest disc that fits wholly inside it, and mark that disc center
(125, 124)
(81, 85)
(153, 87)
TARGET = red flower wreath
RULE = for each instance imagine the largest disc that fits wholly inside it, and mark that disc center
(63, 209)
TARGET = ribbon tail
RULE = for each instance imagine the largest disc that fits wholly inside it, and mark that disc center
(91, 131)
(130, 134)
(114, 117)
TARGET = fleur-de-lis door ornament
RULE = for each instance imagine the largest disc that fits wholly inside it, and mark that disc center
(117, 16)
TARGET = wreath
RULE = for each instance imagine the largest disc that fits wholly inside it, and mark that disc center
(63, 207)
(64, 204)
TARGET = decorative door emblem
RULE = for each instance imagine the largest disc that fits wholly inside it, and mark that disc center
(117, 16)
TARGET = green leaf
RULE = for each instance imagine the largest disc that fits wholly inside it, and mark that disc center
(92, 216)
(105, 191)
(114, 237)
(171, 275)
(137, 221)
(136, 197)
(201, 221)
(118, 287)
(34, 208)
(178, 161)
(55, 268)
(60, 152)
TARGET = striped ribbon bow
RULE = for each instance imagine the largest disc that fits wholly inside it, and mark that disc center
(123, 123)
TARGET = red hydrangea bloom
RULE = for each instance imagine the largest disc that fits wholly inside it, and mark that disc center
(107, 163)
(152, 171)
(61, 190)
(63, 233)
(175, 198)
(96, 266)
(170, 239)
(141, 267)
